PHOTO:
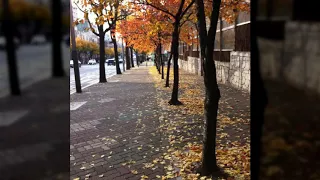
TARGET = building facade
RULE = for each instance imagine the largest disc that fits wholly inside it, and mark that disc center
(231, 53)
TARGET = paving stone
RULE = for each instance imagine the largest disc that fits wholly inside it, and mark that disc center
(105, 127)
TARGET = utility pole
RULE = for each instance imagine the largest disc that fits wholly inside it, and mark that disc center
(74, 53)
(10, 49)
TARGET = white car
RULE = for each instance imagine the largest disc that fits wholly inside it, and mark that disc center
(38, 39)
(71, 63)
(92, 62)
(3, 42)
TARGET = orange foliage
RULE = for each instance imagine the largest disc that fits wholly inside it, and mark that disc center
(145, 31)
(150, 26)
(229, 9)
(23, 10)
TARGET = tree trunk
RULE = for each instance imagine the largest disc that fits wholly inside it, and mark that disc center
(123, 61)
(131, 56)
(116, 56)
(270, 4)
(161, 61)
(10, 49)
(212, 92)
(168, 71)
(74, 55)
(175, 46)
(57, 61)
(102, 61)
(128, 61)
(137, 58)
(157, 59)
(258, 90)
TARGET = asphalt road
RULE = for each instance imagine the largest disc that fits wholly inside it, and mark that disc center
(34, 64)
(89, 75)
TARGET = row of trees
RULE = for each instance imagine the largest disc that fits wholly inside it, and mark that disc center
(92, 49)
(33, 18)
(163, 24)
(18, 12)
(152, 25)
(106, 16)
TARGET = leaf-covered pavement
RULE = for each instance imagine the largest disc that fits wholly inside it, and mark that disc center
(182, 126)
(139, 136)
(291, 140)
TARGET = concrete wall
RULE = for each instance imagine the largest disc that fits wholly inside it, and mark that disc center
(193, 65)
(295, 60)
(236, 72)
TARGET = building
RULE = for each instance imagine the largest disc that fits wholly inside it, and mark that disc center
(81, 30)
(231, 53)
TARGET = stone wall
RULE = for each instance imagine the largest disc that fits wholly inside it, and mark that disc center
(236, 72)
(295, 60)
(193, 65)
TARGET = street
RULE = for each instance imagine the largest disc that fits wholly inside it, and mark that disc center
(34, 65)
(89, 75)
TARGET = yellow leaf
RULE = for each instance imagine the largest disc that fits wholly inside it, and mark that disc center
(144, 177)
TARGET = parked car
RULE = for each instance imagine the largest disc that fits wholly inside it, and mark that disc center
(120, 60)
(92, 62)
(71, 63)
(38, 39)
(111, 62)
(3, 42)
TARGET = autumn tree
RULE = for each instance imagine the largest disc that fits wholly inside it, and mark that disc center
(186, 34)
(105, 12)
(212, 93)
(119, 14)
(146, 32)
(83, 46)
(174, 11)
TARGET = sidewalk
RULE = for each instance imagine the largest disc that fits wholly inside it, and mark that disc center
(115, 124)
(34, 133)
(117, 128)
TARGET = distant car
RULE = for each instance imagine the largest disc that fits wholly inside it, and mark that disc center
(111, 62)
(120, 60)
(38, 39)
(71, 63)
(92, 62)
(3, 42)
